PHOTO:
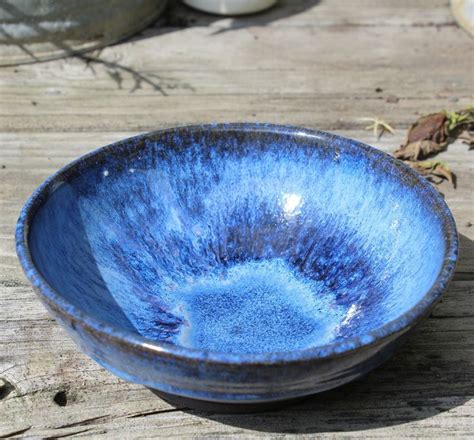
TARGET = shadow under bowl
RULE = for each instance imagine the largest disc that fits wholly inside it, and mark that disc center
(237, 264)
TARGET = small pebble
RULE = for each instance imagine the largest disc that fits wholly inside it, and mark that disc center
(379, 89)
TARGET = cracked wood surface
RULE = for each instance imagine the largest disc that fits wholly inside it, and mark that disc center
(311, 63)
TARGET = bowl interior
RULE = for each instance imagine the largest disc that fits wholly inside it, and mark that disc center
(239, 241)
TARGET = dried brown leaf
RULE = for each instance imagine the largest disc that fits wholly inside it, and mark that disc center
(429, 127)
(419, 150)
(434, 169)
(430, 135)
(467, 137)
(443, 172)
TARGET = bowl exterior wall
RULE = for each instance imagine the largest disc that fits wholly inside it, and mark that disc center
(224, 382)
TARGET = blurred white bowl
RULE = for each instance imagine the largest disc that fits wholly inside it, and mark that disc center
(230, 7)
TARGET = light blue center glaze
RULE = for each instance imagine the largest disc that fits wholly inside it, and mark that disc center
(241, 244)
(255, 307)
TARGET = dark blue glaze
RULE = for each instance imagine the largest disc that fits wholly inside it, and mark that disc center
(239, 262)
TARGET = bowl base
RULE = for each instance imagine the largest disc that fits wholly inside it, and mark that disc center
(226, 408)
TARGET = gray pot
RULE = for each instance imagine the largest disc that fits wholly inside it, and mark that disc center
(36, 30)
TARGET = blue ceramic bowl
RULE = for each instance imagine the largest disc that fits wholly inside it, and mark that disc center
(237, 264)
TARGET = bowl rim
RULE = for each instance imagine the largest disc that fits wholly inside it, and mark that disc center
(76, 317)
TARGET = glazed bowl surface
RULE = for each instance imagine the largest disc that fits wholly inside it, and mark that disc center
(237, 263)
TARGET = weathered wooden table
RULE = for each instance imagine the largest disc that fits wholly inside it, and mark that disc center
(317, 64)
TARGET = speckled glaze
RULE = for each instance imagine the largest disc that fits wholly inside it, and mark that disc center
(237, 263)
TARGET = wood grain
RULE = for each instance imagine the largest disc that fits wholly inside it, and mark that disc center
(321, 64)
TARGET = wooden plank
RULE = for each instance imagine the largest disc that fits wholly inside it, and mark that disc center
(232, 76)
(430, 376)
(304, 112)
